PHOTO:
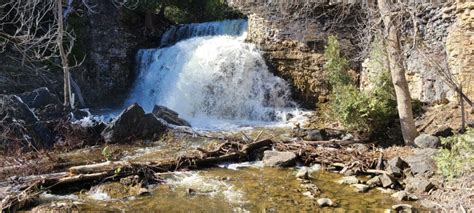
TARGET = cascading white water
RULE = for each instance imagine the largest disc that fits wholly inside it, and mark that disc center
(228, 27)
(211, 80)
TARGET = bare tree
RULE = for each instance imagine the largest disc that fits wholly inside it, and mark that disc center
(37, 29)
(392, 25)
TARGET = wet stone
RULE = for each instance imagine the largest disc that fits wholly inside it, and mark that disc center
(385, 191)
(360, 187)
(349, 180)
(325, 202)
(375, 181)
(279, 159)
(404, 196)
(315, 168)
(403, 208)
(303, 173)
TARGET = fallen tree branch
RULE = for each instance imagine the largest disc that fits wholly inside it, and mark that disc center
(331, 142)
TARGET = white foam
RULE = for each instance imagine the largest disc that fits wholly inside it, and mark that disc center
(52, 197)
(207, 185)
(214, 82)
(237, 166)
(99, 195)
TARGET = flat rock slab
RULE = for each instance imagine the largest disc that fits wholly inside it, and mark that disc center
(418, 184)
(361, 187)
(279, 159)
(349, 180)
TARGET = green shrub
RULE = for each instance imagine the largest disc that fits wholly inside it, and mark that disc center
(363, 112)
(336, 64)
(459, 159)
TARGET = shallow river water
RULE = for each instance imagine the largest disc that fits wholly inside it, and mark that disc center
(243, 190)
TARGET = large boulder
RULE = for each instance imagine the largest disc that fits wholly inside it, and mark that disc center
(132, 124)
(39, 98)
(279, 159)
(421, 162)
(396, 165)
(19, 123)
(169, 116)
(314, 135)
(12, 107)
(388, 181)
(418, 184)
(427, 141)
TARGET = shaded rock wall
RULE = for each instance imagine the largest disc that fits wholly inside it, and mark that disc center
(111, 37)
(107, 38)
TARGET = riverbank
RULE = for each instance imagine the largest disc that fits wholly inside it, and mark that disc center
(407, 173)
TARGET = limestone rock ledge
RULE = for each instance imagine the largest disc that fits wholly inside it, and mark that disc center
(292, 36)
(292, 39)
(460, 47)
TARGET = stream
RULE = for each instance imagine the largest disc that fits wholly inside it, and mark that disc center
(243, 190)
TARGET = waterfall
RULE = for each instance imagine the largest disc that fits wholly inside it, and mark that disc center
(228, 27)
(215, 79)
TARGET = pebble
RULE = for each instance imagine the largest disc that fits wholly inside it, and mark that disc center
(303, 173)
(404, 196)
(309, 194)
(361, 187)
(315, 168)
(385, 191)
(325, 202)
(403, 208)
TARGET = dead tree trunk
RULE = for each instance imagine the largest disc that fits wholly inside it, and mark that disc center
(397, 70)
(68, 99)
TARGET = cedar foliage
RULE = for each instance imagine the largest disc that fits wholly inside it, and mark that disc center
(365, 113)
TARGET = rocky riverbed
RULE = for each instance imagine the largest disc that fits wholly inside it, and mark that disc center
(286, 179)
(294, 168)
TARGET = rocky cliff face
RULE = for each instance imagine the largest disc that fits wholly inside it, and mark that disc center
(426, 55)
(112, 37)
(460, 47)
(292, 38)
